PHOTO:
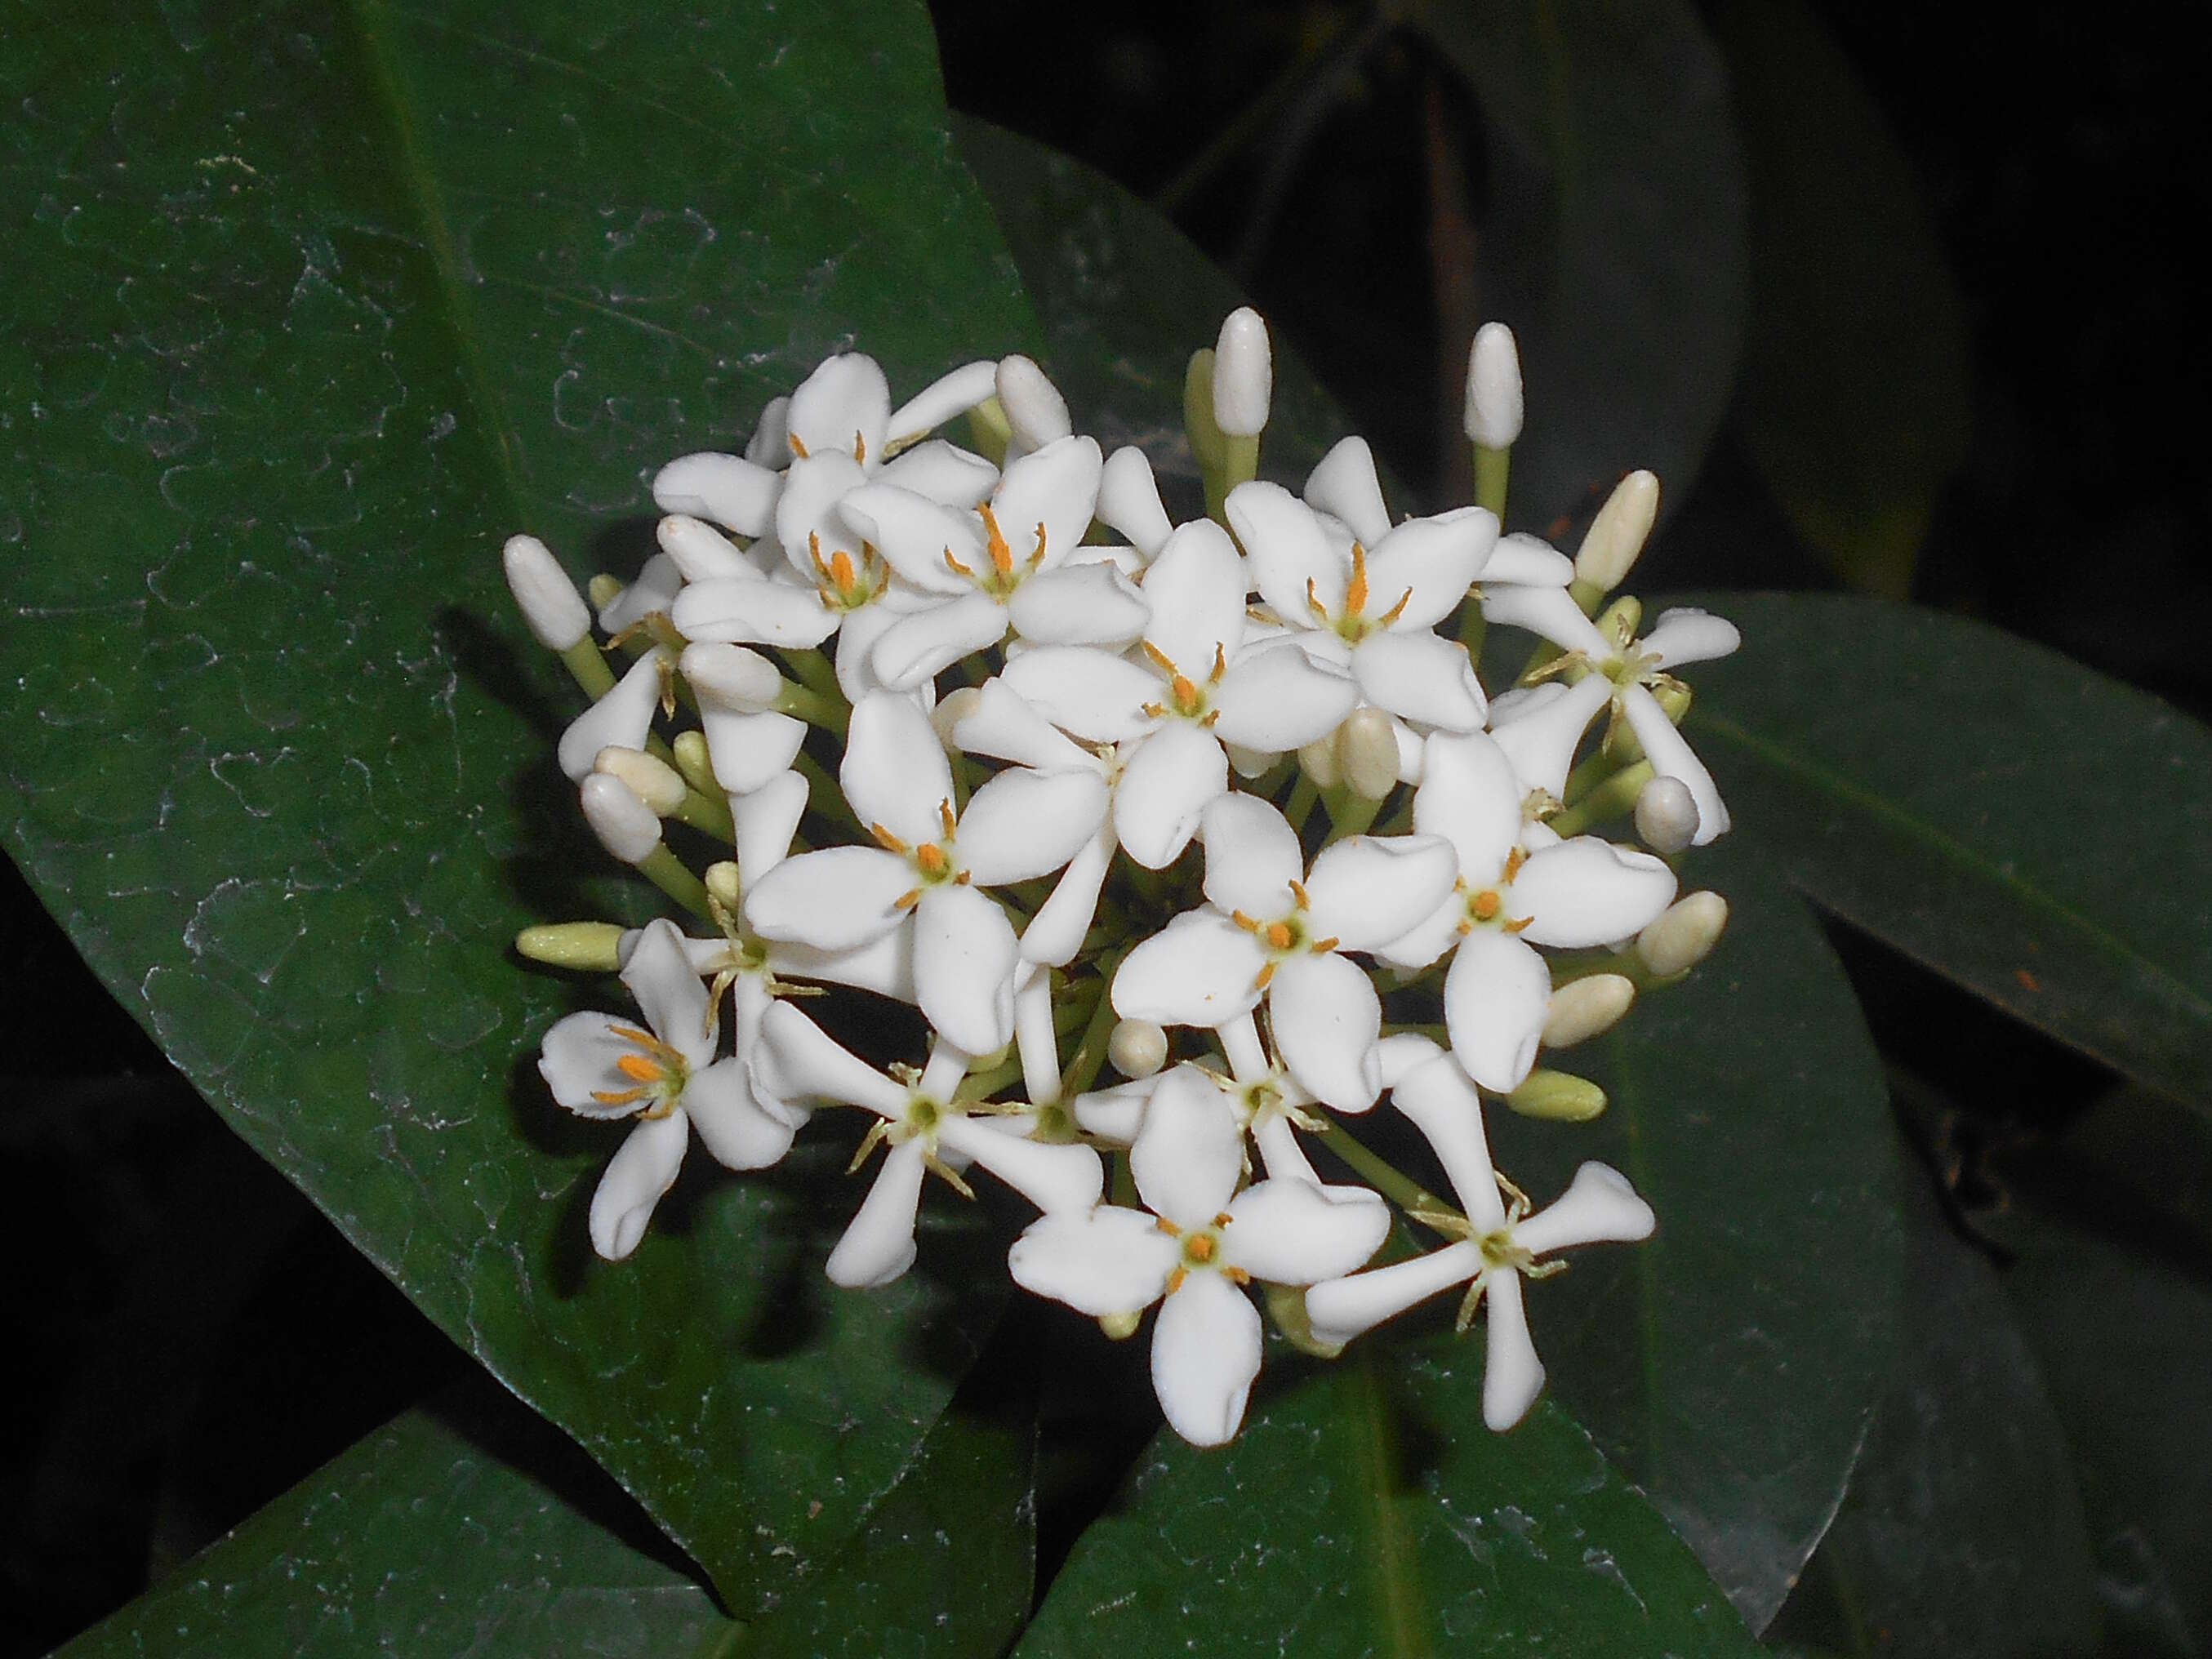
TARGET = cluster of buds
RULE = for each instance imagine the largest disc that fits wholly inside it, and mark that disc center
(1221, 804)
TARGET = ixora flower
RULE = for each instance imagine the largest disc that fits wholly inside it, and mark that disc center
(1266, 934)
(1192, 1248)
(927, 1126)
(1519, 886)
(664, 1075)
(1192, 687)
(1494, 1247)
(930, 866)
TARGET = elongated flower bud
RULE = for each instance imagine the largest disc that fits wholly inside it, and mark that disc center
(1138, 1048)
(651, 779)
(1319, 761)
(1367, 750)
(1666, 815)
(1493, 388)
(592, 946)
(1582, 1008)
(1617, 535)
(1560, 1097)
(1037, 411)
(625, 825)
(1243, 374)
(554, 611)
(721, 883)
(1684, 933)
(730, 677)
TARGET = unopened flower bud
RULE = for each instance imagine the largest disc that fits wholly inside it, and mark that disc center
(1318, 760)
(950, 711)
(730, 677)
(726, 488)
(1138, 1048)
(1249, 762)
(1286, 1311)
(593, 946)
(770, 444)
(1493, 388)
(1674, 699)
(1582, 1008)
(1666, 815)
(1558, 1097)
(1035, 410)
(695, 762)
(721, 880)
(625, 825)
(700, 552)
(1120, 1327)
(1681, 938)
(1620, 619)
(1129, 501)
(1243, 374)
(1367, 750)
(555, 613)
(602, 590)
(1617, 535)
(651, 779)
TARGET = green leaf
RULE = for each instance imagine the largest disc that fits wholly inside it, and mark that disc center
(1855, 403)
(1747, 1105)
(2024, 827)
(1360, 1513)
(1612, 240)
(470, 1526)
(312, 304)
(1962, 1536)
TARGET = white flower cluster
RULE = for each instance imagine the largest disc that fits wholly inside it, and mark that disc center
(1083, 784)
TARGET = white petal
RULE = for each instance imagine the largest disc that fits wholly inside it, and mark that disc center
(944, 473)
(1098, 696)
(916, 648)
(944, 398)
(1166, 784)
(1543, 730)
(1206, 1351)
(1189, 1155)
(1129, 501)
(964, 956)
(770, 444)
(730, 677)
(1022, 825)
(701, 553)
(1056, 932)
(1058, 1179)
(1418, 676)
(643, 1168)
(1079, 605)
(1033, 405)
(1512, 1376)
(1404, 1053)
(767, 819)
(749, 751)
(1342, 1308)
(878, 1243)
(808, 515)
(1294, 562)
(846, 399)
(884, 964)
(1428, 938)
(1252, 857)
(834, 900)
(1196, 590)
(754, 612)
(1367, 890)
(1051, 492)
(796, 1060)
(652, 592)
(1288, 1232)
(1114, 1114)
(1671, 756)
(1586, 891)
(1686, 633)
(1496, 997)
(1471, 795)
(578, 1060)
(1106, 1261)
(727, 488)
(1599, 1207)
(915, 536)
(857, 639)
(1429, 564)
(1521, 560)
(669, 992)
(895, 772)
(739, 1131)
(1547, 612)
(619, 720)
(1002, 723)
(1277, 699)
(1325, 1018)
(1441, 1102)
(1200, 970)
(1344, 486)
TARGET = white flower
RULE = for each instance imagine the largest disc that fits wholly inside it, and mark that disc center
(930, 866)
(1519, 886)
(1199, 1243)
(1266, 933)
(1498, 1247)
(1191, 688)
(925, 1127)
(1493, 408)
(666, 1077)
(1540, 728)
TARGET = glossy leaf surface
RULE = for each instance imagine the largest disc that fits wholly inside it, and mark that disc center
(309, 307)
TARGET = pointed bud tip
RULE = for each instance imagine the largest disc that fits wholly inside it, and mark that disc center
(1617, 534)
(1493, 413)
(1243, 374)
(555, 612)
(1035, 410)
(1684, 934)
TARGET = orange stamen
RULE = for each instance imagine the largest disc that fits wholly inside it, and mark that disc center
(1166, 1225)
(859, 448)
(639, 1069)
(944, 816)
(1223, 1219)
(1037, 557)
(1244, 921)
(1201, 1248)
(1321, 947)
(1514, 861)
(1002, 556)
(797, 447)
(1176, 1279)
(1221, 665)
(1278, 936)
(930, 857)
(1160, 659)
(1237, 1275)
(1355, 595)
(1486, 905)
(890, 842)
(631, 1034)
(907, 900)
(1519, 926)
(623, 1098)
(1260, 981)
(1313, 601)
(1298, 888)
(842, 575)
(956, 566)
(1397, 610)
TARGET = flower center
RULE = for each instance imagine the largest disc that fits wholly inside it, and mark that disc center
(1007, 572)
(1187, 699)
(1201, 1246)
(843, 584)
(1353, 624)
(1286, 936)
(656, 1072)
(933, 861)
(1485, 906)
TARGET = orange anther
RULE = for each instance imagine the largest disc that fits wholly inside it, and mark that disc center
(1176, 1279)
(1002, 556)
(1355, 595)
(631, 1034)
(860, 449)
(1237, 1275)
(1224, 1218)
(944, 816)
(841, 576)
(932, 860)
(797, 447)
(639, 1069)
(890, 842)
(1259, 980)
(907, 900)
(1486, 905)
(956, 566)
(623, 1098)
(1397, 610)
(1166, 1225)
(1514, 861)
(1278, 936)
(1313, 601)
(1321, 947)
(1037, 557)
(1244, 921)
(1519, 926)
(1200, 1247)
(1160, 659)
(1221, 665)
(1298, 890)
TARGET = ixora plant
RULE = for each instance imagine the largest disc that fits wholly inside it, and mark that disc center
(1220, 804)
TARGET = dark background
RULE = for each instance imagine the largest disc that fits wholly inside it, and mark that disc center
(187, 1337)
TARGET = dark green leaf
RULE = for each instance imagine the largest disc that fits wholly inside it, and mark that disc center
(1613, 235)
(310, 305)
(1748, 1104)
(1855, 402)
(1364, 1514)
(1962, 1536)
(2028, 829)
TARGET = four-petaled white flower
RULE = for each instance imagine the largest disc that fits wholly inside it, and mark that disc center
(1198, 1241)
(1497, 1246)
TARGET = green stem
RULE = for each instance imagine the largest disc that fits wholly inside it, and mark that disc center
(1090, 1054)
(1352, 815)
(669, 873)
(816, 672)
(588, 666)
(1491, 467)
(1299, 808)
(708, 814)
(831, 713)
(1608, 799)
(1394, 1183)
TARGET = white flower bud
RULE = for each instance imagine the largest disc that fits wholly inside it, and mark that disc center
(1682, 936)
(1129, 501)
(594, 946)
(1243, 374)
(1037, 411)
(1138, 1048)
(1582, 1008)
(1318, 761)
(770, 444)
(555, 612)
(730, 677)
(1617, 535)
(1249, 762)
(1493, 387)
(721, 884)
(625, 825)
(701, 553)
(1666, 815)
(651, 779)
(1367, 750)
(950, 711)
